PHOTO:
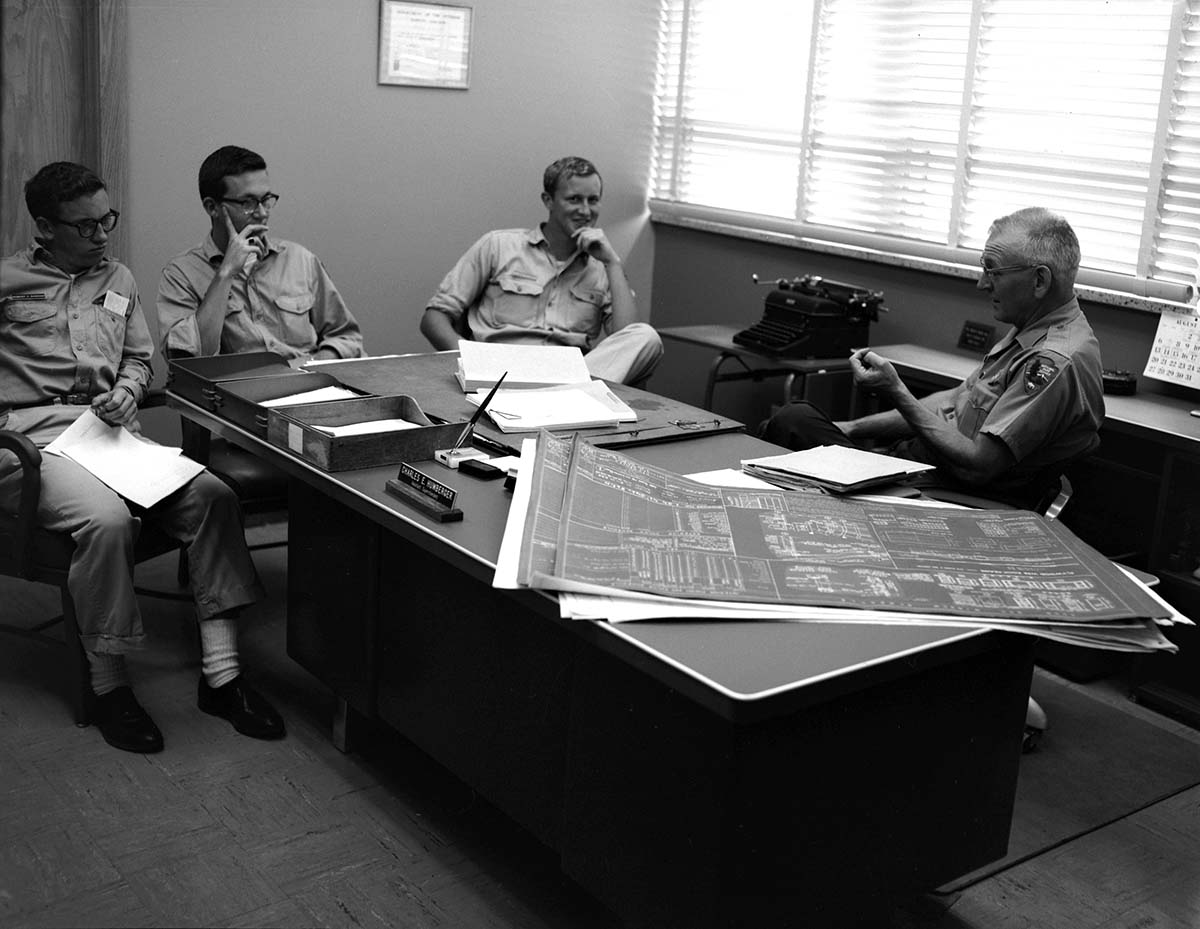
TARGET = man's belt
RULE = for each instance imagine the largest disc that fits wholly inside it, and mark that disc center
(76, 399)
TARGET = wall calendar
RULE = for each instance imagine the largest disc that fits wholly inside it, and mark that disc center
(1175, 354)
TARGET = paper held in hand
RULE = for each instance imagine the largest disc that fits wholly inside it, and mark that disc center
(841, 469)
(139, 471)
(480, 365)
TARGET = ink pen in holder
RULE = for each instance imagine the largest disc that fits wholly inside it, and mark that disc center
(469, 428)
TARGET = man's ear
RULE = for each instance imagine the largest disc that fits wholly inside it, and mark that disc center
(1043, 280)
(546, 200)
(45, 228)
(212, 208)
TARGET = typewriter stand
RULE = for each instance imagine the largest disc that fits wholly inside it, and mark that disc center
(720, 339)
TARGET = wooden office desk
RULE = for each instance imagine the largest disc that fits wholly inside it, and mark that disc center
(720, 339)
(687, 774)
(1136, 499)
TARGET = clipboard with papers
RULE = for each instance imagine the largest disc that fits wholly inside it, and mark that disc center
(571, 406)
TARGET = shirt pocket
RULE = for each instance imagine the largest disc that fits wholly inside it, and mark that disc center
(514, 300)
(31, 328)
(294, 313)
(974, 413)
(585, 309)
(110, 334)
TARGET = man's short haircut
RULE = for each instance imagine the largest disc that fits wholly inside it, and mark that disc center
(226, 161)
(59, 182)
(566, 168)
(1048, 240)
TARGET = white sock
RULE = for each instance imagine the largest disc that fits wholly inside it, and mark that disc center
(107, 672)
(218, 651)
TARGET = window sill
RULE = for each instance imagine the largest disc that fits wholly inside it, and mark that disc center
(1091, 293)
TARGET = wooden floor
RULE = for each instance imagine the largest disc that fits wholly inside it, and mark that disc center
(220, 830)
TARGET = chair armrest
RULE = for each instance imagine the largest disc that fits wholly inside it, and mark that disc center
(30, 460)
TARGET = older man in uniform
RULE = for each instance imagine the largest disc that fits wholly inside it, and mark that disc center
(73, 338)
(1034, 404)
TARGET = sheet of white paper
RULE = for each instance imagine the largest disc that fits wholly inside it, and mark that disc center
(730, 477)
(565, 407)
(137, 470)
(320, 395)
(371, 426)
(482, 363)
(509, 558)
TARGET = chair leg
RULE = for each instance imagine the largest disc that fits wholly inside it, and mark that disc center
(78, 672)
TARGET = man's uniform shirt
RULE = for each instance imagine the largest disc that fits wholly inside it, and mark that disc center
(511, 289)
(287, 305)
(65, 339)
(1039, 391)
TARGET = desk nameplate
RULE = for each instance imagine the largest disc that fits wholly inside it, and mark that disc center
(428, 495)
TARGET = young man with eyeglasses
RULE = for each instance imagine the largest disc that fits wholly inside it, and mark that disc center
(242, 290)
(1034, 403)
(73, 338)
(560, 283)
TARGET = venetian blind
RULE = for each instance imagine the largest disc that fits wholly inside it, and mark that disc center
(908, 125)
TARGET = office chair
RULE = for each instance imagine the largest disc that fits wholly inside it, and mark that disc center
(35, 554)
(1052, 500)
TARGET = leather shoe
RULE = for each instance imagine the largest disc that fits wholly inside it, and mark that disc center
(243, 706)
(124, 724)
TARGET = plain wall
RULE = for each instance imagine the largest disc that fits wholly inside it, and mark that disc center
(388, 185)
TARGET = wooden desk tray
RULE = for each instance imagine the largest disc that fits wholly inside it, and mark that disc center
(240, 401)
(294, 428)
(196, 378)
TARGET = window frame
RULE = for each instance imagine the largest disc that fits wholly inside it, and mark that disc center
(1140, 293)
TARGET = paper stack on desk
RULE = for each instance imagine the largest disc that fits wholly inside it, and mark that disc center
(840, 469)
(620, 539)
(480, 365)
(576, 406)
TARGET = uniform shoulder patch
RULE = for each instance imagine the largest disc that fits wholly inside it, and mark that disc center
(1040, 370)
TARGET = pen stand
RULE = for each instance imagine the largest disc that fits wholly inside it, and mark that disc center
(453, 457)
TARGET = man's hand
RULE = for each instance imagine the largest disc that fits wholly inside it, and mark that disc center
(115, 407)
(874, 372)
(594, 242)
(245, 248)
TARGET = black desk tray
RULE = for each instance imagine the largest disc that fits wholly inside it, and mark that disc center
(196, 378)
(240, 401)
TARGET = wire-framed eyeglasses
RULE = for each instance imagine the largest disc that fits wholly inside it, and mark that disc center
(87, 227)
(250, 204)
(990, 274)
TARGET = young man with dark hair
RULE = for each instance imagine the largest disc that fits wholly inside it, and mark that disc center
(560, 283)
(73, 338)
(242, 291)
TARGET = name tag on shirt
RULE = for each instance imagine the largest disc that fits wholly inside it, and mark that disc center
(115, 303)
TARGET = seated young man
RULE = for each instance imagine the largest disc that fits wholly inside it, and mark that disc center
(241, 290)
(73, 338)
(560, 283)
(1035, 402)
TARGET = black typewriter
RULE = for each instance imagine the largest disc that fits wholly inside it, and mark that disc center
(811, 317)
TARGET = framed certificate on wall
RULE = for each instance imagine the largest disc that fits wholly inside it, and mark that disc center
(424, 44)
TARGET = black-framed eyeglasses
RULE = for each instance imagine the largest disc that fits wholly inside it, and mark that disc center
(87, 227)
(990, 274)
(250, 204)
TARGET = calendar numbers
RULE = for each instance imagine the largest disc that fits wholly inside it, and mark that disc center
(1175, 354)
